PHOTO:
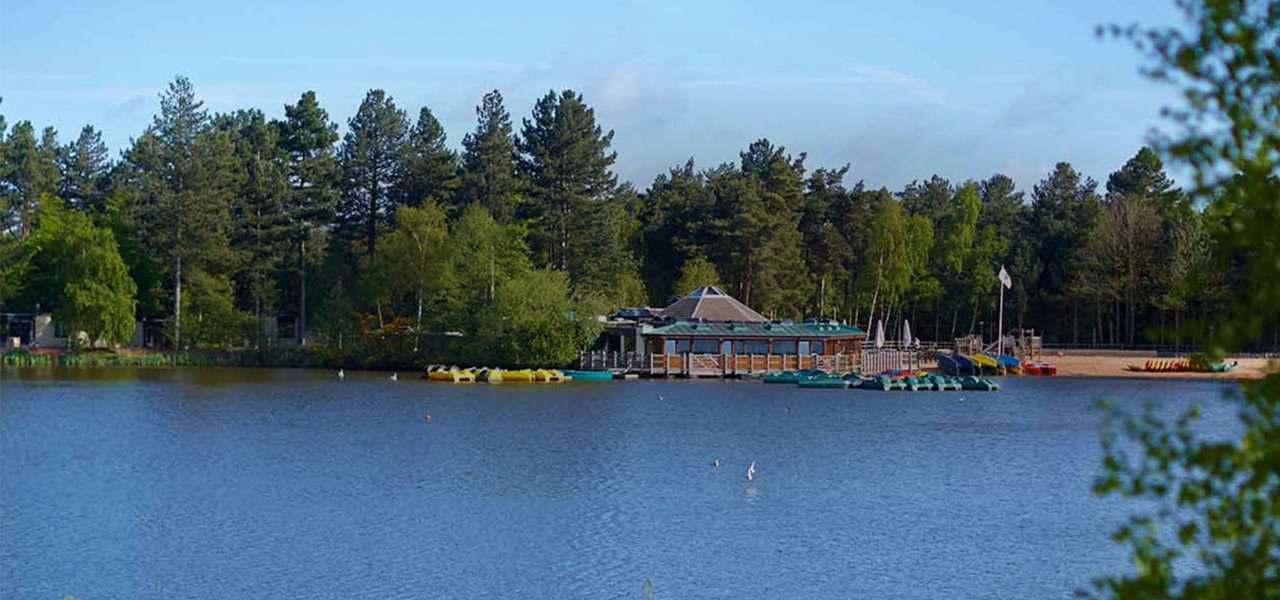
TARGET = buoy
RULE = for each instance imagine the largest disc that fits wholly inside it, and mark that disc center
(426, 418)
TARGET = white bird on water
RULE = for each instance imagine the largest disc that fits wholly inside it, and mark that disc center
(715, 463)
(342, 374)
(751, 471)
(395, 377)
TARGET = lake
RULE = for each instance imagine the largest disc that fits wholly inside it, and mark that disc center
(241, 483)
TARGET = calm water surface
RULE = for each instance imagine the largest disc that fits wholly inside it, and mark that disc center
(230, 483)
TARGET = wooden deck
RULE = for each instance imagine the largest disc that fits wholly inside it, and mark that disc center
(721, 365)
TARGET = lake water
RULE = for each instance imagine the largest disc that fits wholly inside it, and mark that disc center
(237, 483)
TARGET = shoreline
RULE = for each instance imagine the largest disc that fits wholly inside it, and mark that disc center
(1087, 365)
(1075, 364)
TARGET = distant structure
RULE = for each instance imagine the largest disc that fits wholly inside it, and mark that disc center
(709, 333)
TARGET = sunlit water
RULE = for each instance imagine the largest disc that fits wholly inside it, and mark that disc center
(229, 483)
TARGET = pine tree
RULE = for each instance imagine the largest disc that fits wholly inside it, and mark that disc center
(759, 205)
(1062, 211)
(186, 175)
(307, 139)
(371, 156)
(678, 221)
(260, 231)
(31, 172)
(565, 158)
(85, 166)
(430, 170)
(1143, 175)
(488, 161)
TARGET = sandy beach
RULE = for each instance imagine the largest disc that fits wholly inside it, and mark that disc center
(1072, 365)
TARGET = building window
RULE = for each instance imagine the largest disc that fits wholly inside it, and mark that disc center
(757, 347)
(740, 347)
(817, 346)
(804, 347)
(669, 347)
(59, 329)
(683, 346)
(706, 346)
(784, 347)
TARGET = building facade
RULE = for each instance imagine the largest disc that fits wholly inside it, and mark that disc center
(710, 333)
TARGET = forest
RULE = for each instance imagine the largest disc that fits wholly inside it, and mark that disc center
(387, 240)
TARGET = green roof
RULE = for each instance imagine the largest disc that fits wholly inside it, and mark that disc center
(754, 330)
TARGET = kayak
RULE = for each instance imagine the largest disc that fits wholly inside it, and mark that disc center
(781, 377)
(522, 375)
(829, 382)
(451, 375)
(548, 376)
(978, 385)
(575, 375)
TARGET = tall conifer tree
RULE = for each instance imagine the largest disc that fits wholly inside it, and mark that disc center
(371, 157)
(488, 161)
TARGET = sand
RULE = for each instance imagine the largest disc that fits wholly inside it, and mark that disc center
(1117, 366)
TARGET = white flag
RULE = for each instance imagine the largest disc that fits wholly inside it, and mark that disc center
(1005, 280)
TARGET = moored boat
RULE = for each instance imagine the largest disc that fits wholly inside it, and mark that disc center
(824, 382)
(576, 375)
(976, 384)
(517, 375)
(781, 377)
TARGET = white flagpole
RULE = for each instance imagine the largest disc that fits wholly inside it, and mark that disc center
(1000, 325)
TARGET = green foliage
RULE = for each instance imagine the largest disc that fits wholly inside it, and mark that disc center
(417, 252)
(531, 322)
(311, 167)
(488, 161)
(695, 273)
(94, 293)
(1115, 268)
(1212, 530)
(31, 171)
(85, 166)
(1143, 175)
(430, 170)
(209, 316)
(482, 254)
(565, 159)
(372, 159)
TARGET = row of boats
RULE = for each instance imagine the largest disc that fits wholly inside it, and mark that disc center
(1177, 365)
(991, 363)
(488, 375)
(886, 381)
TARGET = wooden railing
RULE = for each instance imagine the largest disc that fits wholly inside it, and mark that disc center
(731, 365)
(876, 361)
(600, 360)
(722, 365)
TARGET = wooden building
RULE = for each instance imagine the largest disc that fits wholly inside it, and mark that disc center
(710, 333)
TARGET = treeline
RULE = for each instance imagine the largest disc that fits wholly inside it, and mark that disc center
(218, 222)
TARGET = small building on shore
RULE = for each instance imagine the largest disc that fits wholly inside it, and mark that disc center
(710, 333)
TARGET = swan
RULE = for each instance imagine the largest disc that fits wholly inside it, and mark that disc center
(342, 374)
(395, 377)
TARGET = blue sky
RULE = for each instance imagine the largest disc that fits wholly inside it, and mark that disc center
(900, 90)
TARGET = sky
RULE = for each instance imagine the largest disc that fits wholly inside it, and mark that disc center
(898, 90)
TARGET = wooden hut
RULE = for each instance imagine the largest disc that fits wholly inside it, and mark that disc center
(710, 333)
